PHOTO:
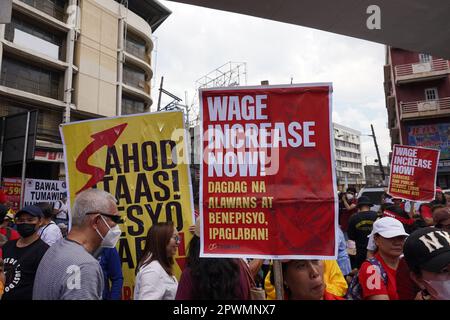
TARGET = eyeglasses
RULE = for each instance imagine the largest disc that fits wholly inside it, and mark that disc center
(116, 219)
(176, 238)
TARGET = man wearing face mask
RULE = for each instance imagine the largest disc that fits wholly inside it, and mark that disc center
(69, 270)
(22, 257)
(427, 253)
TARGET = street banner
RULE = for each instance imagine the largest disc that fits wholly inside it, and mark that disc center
(268, 173)
(11, 188)
(142, 161)
(413, 173)
(49, 191)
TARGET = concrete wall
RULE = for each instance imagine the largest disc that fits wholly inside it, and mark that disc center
(96, 57)
(415, 91)
(400, 56)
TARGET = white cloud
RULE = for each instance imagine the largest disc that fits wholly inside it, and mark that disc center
(194, 41)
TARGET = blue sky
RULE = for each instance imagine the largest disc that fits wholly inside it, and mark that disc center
(194, 41)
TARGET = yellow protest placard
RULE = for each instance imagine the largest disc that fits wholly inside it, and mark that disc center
(143, 161)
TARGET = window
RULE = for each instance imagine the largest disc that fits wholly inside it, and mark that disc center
(55, 8)
(18, 75)
(48, 120)
(132, 106)
(34, 37)
(423, 57)
(134, 77)
(135, 46)
(431, 94)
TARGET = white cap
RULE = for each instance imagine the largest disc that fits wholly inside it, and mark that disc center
(388, 227)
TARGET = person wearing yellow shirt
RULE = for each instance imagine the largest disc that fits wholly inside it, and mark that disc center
(333, 278)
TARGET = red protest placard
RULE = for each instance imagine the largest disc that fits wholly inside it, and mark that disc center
(413, 173)
(267, 185)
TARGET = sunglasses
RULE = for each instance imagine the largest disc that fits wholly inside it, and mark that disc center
(114, 218)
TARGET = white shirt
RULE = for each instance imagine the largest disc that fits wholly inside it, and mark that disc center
(153, 283)
(63, 210)
(50, 233)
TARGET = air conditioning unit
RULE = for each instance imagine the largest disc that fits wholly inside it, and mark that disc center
(421, 67)
(431, 105)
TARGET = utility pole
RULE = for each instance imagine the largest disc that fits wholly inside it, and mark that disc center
(160, 91)
(378, 153)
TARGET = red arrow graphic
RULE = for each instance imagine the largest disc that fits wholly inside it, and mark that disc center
(103, 138)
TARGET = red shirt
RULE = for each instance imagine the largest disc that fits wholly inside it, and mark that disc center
(425, 212)
(14, 234)
(345, 214)
(372, 283)
(406, 288)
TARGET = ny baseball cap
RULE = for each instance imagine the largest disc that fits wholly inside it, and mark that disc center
(31, 210)
(388, 227)
(428, 249)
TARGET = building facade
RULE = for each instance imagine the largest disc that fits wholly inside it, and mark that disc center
(348, 156)
(417, 89)
(73, 60)
(373, 175)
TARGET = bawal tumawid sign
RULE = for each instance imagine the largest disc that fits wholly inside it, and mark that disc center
(49, 191)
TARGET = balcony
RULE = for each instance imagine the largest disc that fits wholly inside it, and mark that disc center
(414, 72)
(425, 109)
(54, 8)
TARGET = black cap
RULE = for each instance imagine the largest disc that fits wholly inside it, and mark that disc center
(364, 201)
(428, 249)
(35, 211)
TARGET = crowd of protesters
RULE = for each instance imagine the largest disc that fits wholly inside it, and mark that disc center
(400, 252)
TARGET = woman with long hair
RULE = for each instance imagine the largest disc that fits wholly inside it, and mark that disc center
(155, 279)
(211, 279)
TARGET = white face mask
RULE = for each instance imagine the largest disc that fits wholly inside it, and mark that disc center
(349, 196)
(111, 238)
(438, 289)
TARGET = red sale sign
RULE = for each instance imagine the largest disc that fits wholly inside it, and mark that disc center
(12, 187)
(413, 173)
(267, 185)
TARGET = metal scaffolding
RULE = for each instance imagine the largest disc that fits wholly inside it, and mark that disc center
(230, 74)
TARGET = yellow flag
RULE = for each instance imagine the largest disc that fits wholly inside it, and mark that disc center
(143, 161)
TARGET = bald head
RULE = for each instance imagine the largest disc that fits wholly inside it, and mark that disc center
(92, 200)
